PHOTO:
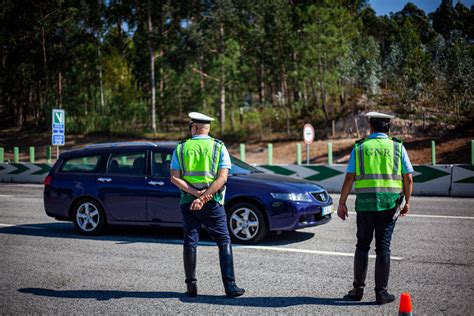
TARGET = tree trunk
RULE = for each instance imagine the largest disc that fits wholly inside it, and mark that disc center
(59, 101)
(101, 84)
(284, 97)
(324, 102)
(45, 62)
(261, 89)
(222, 82)
(162, 89)
(152, 72)
(202, 82)
(333, 122)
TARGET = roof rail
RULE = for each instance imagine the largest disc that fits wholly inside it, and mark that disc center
(119, 144)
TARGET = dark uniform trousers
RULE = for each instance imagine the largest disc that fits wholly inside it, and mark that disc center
(382, 223)
(212, 216)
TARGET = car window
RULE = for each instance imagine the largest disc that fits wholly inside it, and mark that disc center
(161, 163)
(127, 163)
(87, 164)
(240, 167)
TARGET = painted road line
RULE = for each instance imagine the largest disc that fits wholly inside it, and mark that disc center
(282, 249)
(21, 226)
(433, 216)
(31, 185)
(5, 196)
(317, 252)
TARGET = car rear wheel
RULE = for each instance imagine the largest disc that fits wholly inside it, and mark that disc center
(88, 217)
(247, 223)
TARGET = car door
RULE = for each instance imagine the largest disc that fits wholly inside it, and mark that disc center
(121, 187)
(162, 195)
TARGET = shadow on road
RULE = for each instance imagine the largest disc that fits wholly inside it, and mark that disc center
(128, 235)
(273, 302)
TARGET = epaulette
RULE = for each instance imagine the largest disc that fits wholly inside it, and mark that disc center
(396, 140)
(359, 141)
(218, 141)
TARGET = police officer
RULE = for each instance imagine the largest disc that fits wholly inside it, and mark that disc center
(382, 172)
(199, 168)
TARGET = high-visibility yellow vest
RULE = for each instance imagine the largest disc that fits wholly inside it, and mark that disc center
(378, 181)
(199, 163)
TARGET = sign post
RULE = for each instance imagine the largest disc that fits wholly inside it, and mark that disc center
(58, 127)
(308, 137)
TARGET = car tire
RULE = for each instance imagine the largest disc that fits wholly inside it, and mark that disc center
(247, 223)
(88, 217)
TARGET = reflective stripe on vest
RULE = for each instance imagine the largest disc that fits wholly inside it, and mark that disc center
(199, 161)
(378, 168)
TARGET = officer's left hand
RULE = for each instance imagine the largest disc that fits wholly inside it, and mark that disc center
(196, 205)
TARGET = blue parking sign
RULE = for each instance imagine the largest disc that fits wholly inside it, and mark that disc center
(58, 140)
(57, 126)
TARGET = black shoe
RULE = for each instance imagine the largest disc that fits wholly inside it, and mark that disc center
(191, 289)
(226, 260)
(189, 257)
(382, 272)
(355, 294)
(383, 297)
(232, 290)
(361, 261)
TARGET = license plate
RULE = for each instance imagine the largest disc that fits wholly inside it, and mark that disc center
(327, 210)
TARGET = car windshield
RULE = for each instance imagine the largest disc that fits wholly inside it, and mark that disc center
(239, 167)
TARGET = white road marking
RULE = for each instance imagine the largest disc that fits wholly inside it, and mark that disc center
(317, 252)
(269, 248)
(5, 195)
(21, 226)
(432, 216)
(26, 185)
(284, 249)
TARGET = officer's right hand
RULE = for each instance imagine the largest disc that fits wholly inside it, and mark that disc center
(196, 205)
(342, 211)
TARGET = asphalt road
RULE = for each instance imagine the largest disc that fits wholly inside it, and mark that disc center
(47, 267)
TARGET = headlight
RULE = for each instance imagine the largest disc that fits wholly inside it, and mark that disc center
(299, 197)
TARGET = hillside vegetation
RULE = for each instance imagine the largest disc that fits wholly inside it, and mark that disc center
(261, 67)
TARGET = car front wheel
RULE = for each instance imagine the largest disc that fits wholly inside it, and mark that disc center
(88, 217)
(247, 224)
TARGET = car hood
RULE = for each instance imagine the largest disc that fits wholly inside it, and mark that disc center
(283, 183)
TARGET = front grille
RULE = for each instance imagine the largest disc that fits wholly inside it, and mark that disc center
(320, 196)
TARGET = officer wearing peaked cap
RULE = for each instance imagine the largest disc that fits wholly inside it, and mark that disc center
(382, 172)
(199, 168)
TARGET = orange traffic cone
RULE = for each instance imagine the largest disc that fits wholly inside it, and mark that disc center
(405, 305)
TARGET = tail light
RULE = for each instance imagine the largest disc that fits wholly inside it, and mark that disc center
(47, 180)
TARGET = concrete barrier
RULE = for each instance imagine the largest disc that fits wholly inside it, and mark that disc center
(439, 180)
(432, 180)
(24, 172)
(330, 177)
(462, 180)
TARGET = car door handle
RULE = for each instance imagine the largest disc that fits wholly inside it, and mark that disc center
(156, 182)
(104, 179)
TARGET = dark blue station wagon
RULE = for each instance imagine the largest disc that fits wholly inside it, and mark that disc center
(129, 184)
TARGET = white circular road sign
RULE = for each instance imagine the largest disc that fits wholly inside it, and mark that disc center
(308, 134)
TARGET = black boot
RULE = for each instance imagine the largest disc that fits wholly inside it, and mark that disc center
(382, 271)
(361, 260)
(226, 260)
(189, 256)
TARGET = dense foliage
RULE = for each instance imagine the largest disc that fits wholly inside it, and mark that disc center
(263, 66)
